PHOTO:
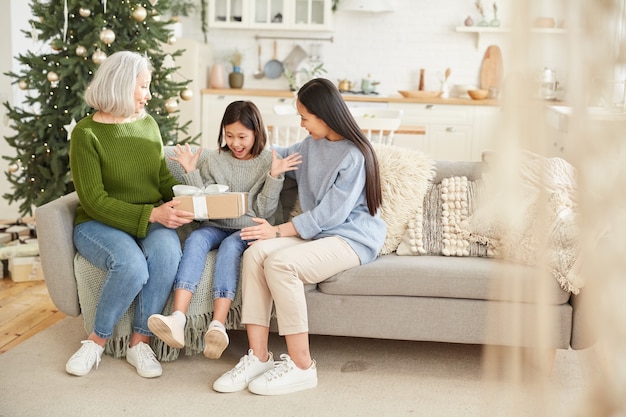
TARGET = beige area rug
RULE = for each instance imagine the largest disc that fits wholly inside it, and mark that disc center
(357, 377)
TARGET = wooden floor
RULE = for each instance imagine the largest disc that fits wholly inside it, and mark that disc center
(25, 310)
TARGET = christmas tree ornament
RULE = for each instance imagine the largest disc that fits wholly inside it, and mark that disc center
(98, 57)
(13, 168)
(154, 2)
(84, 12)
(107, 36)
(22, 84)
(172, 40)
(186, 94)
(140, 13)
(171, 105)
(52, 76)
(56, 44)
(81, 50)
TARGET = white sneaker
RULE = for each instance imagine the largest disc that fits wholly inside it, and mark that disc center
(215, 341)
(142, 357)
(238, 378)
(285, 378)
(168, 329)
(81, 362)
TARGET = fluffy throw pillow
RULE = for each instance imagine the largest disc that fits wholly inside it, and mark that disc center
(406, 175)
(527, 214)
(433, 230)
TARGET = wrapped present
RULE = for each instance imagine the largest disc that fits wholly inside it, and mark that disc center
(27, 268)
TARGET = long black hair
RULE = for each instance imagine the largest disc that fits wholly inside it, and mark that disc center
(323, 99)
(249, 115)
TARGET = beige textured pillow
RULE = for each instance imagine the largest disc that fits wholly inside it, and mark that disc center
(433, 231)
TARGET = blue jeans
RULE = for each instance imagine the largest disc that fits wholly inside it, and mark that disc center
(136, 269)
(227, 263)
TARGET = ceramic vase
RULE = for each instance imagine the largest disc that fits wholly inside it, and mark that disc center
(235, 78)
(217, 78)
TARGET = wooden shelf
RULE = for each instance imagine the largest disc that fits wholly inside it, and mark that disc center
(479, 30)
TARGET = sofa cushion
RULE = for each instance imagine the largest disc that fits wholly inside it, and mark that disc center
(405, 176)
(434, 232)
(450, 277)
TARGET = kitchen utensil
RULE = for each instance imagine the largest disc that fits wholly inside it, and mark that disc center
(344, 85)
(420, 94)
(478, 94)
(491, 70)
(421, 84)
(548, 84)
(258, 74)
(295, 58)
(274, 68)
(448, 72)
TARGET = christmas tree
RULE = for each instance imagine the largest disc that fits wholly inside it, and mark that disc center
(76, 36)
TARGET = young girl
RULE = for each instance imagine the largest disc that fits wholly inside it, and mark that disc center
(244, 164)
(339, 228)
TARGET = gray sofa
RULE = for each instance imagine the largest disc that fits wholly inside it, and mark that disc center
(470, 299)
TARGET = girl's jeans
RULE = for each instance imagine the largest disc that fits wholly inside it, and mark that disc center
(227, 263)
(136, 269)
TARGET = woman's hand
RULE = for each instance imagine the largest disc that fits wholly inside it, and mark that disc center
(186, 158)
(168, 216)
(264, 230)
(289, 163)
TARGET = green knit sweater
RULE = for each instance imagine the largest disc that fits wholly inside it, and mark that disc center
(119, 173)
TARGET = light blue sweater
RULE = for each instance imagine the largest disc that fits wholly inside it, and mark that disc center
(331, 190)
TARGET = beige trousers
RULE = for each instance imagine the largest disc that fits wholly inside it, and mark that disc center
(275, 270)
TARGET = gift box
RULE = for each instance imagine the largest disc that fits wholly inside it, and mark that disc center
(214, 206)
(27, 268)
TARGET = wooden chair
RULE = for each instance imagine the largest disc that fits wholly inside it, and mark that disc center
(283, 129)
(379, 125)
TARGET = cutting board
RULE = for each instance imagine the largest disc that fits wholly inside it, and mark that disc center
(491, 71)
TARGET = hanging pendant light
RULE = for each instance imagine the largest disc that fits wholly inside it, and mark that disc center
(372, 6)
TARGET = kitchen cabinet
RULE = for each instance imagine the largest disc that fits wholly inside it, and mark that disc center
(309, 15)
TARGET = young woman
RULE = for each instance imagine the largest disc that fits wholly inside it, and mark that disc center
(339, 228)
(244, 164)
(122, 225)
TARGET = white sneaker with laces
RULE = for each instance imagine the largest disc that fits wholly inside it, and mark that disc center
(215, 340)
(238, 378)
(81, 362)
(142, 357)
(285, 378)
(168, 329)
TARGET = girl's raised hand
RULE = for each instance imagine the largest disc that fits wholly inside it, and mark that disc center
(186, 158)
(289, 163)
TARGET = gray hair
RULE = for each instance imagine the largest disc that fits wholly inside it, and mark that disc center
(112, 89)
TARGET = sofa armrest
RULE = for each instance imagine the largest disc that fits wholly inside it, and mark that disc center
(55, 228)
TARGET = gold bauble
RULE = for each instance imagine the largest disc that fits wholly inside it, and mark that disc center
(172, 40)
(56, 44)
(52, 76)
(84, 12)
(13, 168)
(171, 105)
(107, 36)
(81, 50)
(22, 84)
(186, 94)
(140, 13)
(98, 57)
